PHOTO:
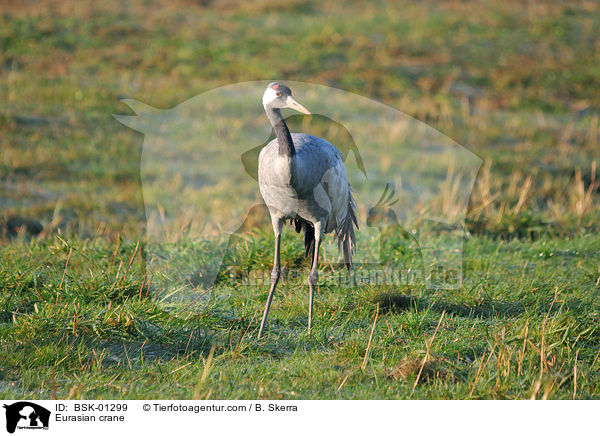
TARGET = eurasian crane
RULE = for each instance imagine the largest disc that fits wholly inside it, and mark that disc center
(303, 178)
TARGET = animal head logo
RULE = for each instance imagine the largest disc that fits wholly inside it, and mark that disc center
(27, 415)
(199, 179)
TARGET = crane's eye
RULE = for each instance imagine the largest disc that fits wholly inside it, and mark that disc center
(278, 94)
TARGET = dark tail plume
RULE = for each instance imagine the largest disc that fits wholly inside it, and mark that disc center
(345, 233)
(309, 235)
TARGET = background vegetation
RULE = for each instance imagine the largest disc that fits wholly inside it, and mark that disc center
(515, 82)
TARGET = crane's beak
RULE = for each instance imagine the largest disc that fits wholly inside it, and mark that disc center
(293, 104)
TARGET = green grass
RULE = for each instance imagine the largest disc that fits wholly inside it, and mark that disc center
(516, 83)
(524, 320)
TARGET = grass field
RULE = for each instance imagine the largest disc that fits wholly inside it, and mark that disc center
(517, 83)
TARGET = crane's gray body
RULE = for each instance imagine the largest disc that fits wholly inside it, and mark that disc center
(311, 185)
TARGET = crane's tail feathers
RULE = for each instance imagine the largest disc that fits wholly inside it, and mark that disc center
(309, 235)
(345, 233)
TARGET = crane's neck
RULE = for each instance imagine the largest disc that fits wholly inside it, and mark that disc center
(286, 146)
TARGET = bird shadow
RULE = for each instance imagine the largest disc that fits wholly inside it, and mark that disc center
(392, 302)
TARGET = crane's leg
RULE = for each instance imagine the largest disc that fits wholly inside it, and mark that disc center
(314, 271)
(275, 274)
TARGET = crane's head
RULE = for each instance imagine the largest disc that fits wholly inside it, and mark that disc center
(278, 96)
